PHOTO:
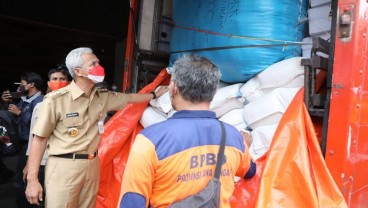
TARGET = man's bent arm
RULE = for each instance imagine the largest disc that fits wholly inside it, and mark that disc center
(34, 161)
(34, 189)
(139, 97)
(251, 171)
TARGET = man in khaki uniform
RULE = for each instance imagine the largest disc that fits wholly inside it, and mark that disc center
(59, 77)
(72, 118)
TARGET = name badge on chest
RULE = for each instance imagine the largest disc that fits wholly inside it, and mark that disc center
(71, 121)
(100, 124)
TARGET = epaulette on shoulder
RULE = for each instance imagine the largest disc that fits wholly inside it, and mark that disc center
(102, 89)
(57, 93)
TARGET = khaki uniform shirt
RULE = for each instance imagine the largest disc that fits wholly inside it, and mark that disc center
(69, 118)
(34, 118)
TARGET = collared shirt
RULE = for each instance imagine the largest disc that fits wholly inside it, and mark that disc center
(68, 117)
(176, 158)
(35, 116)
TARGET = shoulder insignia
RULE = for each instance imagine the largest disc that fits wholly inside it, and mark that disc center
(102, 89)
(113, 94)
(56, 93)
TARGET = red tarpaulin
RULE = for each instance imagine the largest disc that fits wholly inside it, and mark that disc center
(292, 174)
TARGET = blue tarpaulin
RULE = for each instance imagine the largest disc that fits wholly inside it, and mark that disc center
(241, 37)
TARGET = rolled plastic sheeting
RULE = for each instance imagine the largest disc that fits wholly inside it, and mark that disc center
(241, 37)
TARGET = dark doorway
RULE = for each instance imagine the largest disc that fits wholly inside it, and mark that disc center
(37, 35)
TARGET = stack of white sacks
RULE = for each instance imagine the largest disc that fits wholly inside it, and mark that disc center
(319, 19)
(257, 104)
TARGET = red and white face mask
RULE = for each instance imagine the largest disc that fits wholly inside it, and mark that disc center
(96, 74)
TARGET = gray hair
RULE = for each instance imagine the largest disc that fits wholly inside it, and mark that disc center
(196, 77)
(74, 58)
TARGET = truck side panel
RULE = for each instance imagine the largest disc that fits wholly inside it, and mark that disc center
(347, 137)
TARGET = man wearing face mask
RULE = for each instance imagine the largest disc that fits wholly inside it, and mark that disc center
(114, 87)
(174, 159)
(71, 122)
(59, 77)
(31, 84)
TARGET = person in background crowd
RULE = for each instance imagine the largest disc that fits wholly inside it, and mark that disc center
(31, 85)
(5, 173)
(59, 77)
(70, 124)
(176, 158)
(114, 87)
(4, 105)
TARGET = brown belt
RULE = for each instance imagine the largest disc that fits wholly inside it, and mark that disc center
(77, 156)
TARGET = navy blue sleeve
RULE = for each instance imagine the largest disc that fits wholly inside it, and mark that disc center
(133, 200)
(251, 171)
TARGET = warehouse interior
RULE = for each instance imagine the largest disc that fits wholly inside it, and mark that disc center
(37, 35)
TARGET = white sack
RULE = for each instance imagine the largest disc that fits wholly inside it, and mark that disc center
(150, 116)
(286, 73)
(234, 118)
(223, 94)
(262, 139)
(162, 103)
(269, 108)
(230, 104)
